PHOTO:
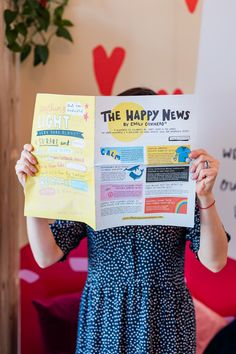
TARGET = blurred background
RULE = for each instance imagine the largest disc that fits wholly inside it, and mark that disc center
(171, 46)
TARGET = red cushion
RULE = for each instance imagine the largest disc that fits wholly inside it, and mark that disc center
(48, 283)
(58, 322)
(215, 290)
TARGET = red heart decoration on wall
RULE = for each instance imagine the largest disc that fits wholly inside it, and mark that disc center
(107, 67)
(192, 4)
(175, 92)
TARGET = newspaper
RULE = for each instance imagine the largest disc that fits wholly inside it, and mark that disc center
(113, 161)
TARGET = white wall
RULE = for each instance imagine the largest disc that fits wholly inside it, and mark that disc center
(216, 84)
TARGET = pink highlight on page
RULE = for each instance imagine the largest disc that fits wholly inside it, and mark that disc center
(118, 191)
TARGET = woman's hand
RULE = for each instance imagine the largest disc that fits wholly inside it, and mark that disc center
(205, 169)
(25, 166)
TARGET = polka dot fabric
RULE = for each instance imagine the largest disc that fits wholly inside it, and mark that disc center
(135, 300)
(68, 235)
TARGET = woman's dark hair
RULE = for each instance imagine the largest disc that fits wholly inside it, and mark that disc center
(137, 91)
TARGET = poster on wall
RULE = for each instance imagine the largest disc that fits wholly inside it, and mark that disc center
(113, 161)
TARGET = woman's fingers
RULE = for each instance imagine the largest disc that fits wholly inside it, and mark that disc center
(25, 166)
(195, 153)
(28, 147)
(202, 158)
(21, 163)
(208, 173)
(25, 155)
(205, 185)
(205, 181)
(197, 170)
(204, 170)
(199, 164)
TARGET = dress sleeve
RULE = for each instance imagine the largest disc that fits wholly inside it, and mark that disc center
(68, 235)
(193, 233)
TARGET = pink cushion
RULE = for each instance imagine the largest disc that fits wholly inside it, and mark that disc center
(58, 322)
(208, 324)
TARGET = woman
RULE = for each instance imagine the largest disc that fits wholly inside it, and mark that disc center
(135, 300)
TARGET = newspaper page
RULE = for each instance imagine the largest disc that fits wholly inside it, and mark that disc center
(113, 161)
(142, 160)
(63, 140)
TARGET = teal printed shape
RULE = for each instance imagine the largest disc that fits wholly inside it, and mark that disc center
(135, 172)
(83, 186)
(182, 154)
(128, 154)
(72, 133)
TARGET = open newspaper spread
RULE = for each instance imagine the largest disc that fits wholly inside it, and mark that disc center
(113, 161)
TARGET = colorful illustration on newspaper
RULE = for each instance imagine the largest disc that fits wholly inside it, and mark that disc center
(113, 161)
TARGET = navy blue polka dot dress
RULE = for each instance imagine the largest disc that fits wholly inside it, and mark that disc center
(135, 300)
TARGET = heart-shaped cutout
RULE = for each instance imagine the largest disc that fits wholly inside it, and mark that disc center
(175, 92)
(192, 4)
(107, 67)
